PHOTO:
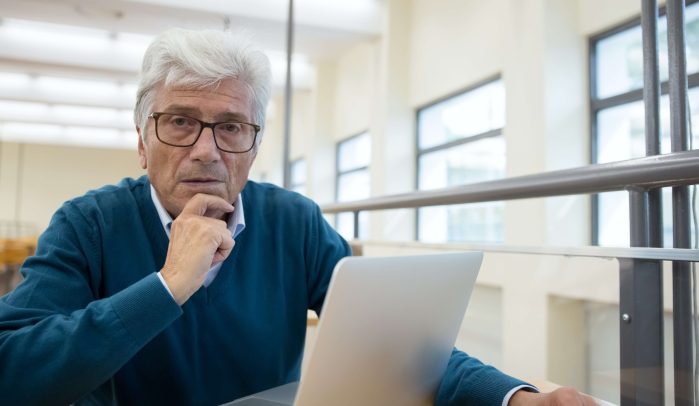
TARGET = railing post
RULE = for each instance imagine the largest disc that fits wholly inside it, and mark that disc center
(641, 316)
(356, 224)
(681, 284)
(641, 281)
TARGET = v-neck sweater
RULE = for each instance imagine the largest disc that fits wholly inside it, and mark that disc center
(107, 321)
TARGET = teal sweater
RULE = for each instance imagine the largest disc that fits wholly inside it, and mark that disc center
(92, 324)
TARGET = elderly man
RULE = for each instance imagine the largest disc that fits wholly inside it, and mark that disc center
(189, 285)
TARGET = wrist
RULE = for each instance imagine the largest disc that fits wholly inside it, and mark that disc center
(180, 291)
(524, 397)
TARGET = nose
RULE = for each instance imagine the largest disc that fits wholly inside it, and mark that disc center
(205, 149)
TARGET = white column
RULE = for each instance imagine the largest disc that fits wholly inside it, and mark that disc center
(393, 141)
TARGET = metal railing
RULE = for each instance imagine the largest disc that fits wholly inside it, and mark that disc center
(641, 361)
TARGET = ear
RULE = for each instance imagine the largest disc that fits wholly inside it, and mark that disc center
(141, 150)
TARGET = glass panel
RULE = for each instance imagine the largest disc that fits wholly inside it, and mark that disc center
(620, 57)
(354, 153)
(474, 112)
(603, 352)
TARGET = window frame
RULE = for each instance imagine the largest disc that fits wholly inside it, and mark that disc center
(450, 144)
(596, 105)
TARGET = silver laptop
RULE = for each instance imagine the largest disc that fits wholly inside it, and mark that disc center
(386, 333)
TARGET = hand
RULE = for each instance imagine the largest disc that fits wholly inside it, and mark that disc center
(559, 397)
(198, 239)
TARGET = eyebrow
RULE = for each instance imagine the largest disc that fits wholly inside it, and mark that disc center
(196, 113)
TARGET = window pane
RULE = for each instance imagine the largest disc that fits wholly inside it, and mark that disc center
(620, 133)
(621, 129)
(621, 136)
(619, 63)
(474, 112)
(475, 222)
(298, 176)
(468, 163)
(354, 153)
(613, 222)
(298, 171)
(345, 225)
(353, 186)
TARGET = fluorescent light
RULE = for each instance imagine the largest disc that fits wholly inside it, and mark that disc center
(39, 32)
(11, 80)
(67, 45)
(44, 113)
(75, 86)
(68, 135)
(67, 91)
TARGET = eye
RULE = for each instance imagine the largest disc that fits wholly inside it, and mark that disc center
(180, 121)
(232, 128)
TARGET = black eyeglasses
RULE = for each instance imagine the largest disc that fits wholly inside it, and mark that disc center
(182, 131)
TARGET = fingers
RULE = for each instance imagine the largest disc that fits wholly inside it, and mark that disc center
(207, 205)
(589, 401)
(198, 240)
(224, 250)
(570, 397)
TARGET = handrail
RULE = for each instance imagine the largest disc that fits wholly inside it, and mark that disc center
(674, 169)
(643, 253)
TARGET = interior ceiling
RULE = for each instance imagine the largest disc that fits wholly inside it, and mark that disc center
(324, 28)
(42, 41)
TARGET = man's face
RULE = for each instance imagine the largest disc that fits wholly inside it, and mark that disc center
(178, 173)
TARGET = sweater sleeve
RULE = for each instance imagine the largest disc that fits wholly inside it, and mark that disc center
(467, 381)
(58, 339)
(324, 248)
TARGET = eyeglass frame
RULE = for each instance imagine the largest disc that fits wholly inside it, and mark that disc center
(156, 114)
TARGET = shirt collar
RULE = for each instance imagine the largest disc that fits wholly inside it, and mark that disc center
(236, 222)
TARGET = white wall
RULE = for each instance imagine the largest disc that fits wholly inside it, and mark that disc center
(50, 175)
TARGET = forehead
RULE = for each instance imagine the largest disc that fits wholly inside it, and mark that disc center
(226, 98)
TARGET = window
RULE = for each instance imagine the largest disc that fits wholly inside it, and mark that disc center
(353, 181)
(618, 121)
(460, 141)
(298, 176)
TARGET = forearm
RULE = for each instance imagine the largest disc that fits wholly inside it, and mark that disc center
(50, 358)
(468, 381)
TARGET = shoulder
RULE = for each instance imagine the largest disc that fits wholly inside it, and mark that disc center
(273, 197)
(126, 194)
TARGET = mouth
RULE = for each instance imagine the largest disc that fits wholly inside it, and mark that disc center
(201, 181)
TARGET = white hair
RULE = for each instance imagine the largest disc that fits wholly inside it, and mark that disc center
(202, 59)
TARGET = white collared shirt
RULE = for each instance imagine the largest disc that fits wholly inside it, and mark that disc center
(236, 224)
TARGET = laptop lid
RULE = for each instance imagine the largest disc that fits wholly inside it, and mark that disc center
(387, 330)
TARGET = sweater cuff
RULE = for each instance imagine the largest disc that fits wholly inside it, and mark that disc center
(162, 280)
(145, 308)
(512, 391)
